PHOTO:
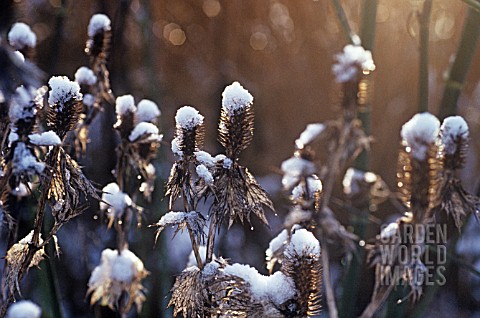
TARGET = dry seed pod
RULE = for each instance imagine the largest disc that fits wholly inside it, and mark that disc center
(189, 133)
(235, 129)
(99, 32)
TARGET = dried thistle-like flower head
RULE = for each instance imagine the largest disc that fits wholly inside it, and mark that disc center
(454, 138)
(193, 221)
(117, 281)
(189, 133)
(115, 202)
(353, 60)
(418, 164)
(235, 130)
(16, 257)
(99, 32)
(65, 107)
(125, 109)
(303, 265)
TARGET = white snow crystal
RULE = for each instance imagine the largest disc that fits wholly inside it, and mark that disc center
(24, 161)
(98, 23)
(24, 309)
(203, 173)
(176, 148)
(453, 128)
(88, 100)
(19, 55)
(115, 200)
(85, 76)
(124, 104)
(48, 138)
(21, 35)
(309, 134)
(188, 117)
(277, 288)
(420, 132)
(389, 231)
(236, 97)
(143, 129)
(21, 106)
(147, 111)
(124, 267)
(277, 243)
(205, 158)
(303, 242)
(63, 90)
(176, 217)
(349, 62)
(294, 168)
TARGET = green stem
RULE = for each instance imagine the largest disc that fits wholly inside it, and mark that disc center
(475, 5)
(351, 37)
(424, 21)
(458, 72)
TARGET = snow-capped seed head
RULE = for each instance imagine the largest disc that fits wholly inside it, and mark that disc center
(205, 174)
(85, 76)
(114, 200)
(147, 111)
(124, 267)
(88, 100)
(21, 106)
(353, 59)
(314, 186)
(63, 90)
(294, 169)
(453, 130)
(145, 129)
(420, 133)
(98, 23)
(124, 104)
(24, 309)
(21, 36)
(188, 117)
(236, 97)
(311, 132)
(303, 242)
(47, 138)
(25, 162)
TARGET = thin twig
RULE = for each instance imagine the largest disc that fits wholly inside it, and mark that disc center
(332, 307)
(424, 22)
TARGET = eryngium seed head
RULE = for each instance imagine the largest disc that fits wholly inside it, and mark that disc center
(99, 32)
(190, 131)
(454, 137)
(235, 130)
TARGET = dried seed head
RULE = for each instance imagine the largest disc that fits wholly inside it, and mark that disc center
(353, 60)
(114, 202)
(21, 36)
(419, 134)
(117, 281)
(454, 137)
(125, 109)
(99, 32)
(303, 265)
(189, 133)
(235, 129)
(22, 112)
(147, 111)
(85, 76)
(64, 105)
(295, 169)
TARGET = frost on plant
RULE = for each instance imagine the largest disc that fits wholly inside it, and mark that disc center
(353, 60)
(117, 281)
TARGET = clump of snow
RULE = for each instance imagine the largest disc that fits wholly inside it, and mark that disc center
(389, 231)
(203, 173)
(277, 243)
(311, 132)
(350, 61)
(21, 190)
(236, 97)
(125, 104)
(24, 161)
(420, 132)
(176, 149)
(21, 106)
(48, 138)
(85, 76)
(88, 100)
(294, 168)
(353, 178)
(303, 242)
(211, 268)
(21, 36)
(125, 267)
(188, 117)
(19, 55)
(24, 309)
(176, 217)
(227, 163)
(453, 129)
(63, 90)
(114, 200)
(98, 23)
(314, 185)
(147, 111)
(145, 129)
(205, 158)
(277, 288)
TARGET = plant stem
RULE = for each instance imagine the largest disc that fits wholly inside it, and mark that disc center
(458, 72)
(424, 22)
(475, 5)
(332, 307)
(351, 37)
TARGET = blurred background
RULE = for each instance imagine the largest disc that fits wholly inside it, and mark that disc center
(185, 52)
